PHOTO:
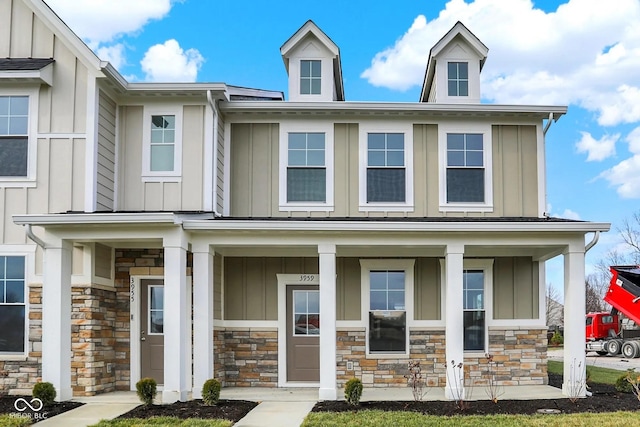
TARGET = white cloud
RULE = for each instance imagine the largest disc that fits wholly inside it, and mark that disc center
(168, 62)
(102, 21)
(586, 52)
(113, 54)
(597, 149)
(626, 174)
(569, 214)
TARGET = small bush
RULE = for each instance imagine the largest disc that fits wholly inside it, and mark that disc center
(557, 339)
(211, 392)
(45, 392)
(622, 385)
(146, 389)
(353, 391)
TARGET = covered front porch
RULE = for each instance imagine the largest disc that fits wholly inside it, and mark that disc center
(443, 251)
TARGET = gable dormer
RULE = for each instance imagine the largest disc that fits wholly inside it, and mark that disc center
(312, 61)
(453, 70)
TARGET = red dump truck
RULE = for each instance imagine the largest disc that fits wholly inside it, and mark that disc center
(609, 333)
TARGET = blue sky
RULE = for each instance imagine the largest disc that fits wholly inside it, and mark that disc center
(580, 53)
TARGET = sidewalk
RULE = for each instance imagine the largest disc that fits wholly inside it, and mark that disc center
(95, 408)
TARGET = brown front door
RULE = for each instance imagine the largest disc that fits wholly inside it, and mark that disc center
(303, 333)
(152, 329)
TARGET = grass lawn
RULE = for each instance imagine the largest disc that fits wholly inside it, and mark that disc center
(162, 421)
(413, 419)
(598, 374)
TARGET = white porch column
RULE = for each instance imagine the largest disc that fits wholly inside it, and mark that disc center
(56, 318)
(574, 314)
(454, 325)
(327, 255)
(177, 315)
(202, 316)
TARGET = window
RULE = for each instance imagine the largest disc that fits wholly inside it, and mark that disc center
(306, 171)
(474, 311)
(386, 173)
(465, 168)
(14, 136)
(163, 143)
(458, 78)
(310, 77)
(162, 152)
(386, 166)
(306, 167)
(306, 313)
(387, 305)
(387, 312)
(12, 304)
(156, 310)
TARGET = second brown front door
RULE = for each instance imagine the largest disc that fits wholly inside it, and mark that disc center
(303, 333)
(152, 329)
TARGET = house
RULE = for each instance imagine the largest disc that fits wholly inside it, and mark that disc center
(186, 231)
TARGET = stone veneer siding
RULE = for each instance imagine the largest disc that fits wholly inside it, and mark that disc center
(250, 357)
(93, 320)
(424, 346)
(520, 358)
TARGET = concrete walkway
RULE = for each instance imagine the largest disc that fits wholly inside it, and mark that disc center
(281, 407)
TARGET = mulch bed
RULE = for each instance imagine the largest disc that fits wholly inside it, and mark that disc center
(8, 406)
(605, 399)
(232, 410)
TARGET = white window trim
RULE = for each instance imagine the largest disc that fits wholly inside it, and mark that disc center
(306, 127)
(161, 176)
(406, 265)
(485, 130)
(28, 266)
(32, 138)
(448, 61)
(386, 127)
(486, 265)
(148, 313)
(311, 77)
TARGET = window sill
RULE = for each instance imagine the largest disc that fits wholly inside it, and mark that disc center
(388, 356)
(466, 208)
(162, 178)
(13, 357)
(390, 207)
(475, 353)
(6, 182)
(307, 208)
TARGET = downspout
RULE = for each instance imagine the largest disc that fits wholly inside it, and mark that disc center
(546, 128)
(592, 243)
(214, 107)
(38, 241)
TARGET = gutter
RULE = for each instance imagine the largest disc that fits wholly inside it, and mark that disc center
(592, 243)
(33, 237)
(214, 170)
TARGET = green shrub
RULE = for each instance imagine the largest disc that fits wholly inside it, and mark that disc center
(622, 385)
(211, 392)
(557, 339)
(45, 392)
(146, 389)
(353, 391)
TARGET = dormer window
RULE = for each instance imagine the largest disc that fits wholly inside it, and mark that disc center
(310, 77)
(458, 78)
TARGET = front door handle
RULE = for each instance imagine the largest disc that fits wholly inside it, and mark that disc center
(143, 339)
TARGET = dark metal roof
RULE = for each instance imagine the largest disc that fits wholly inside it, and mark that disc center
(24, 64)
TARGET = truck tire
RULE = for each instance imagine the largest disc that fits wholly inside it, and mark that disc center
(629, 350)
(636, 344)
(613, 347)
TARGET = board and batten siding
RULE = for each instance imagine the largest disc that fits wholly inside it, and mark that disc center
(255, 172)
(106, 152)
(61, 122)
(515, 288)
(219, 201)
(137, 194)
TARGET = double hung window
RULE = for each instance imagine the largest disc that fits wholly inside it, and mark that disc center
(310, 77)
(465, 168)
(12, 304)
(162, 153)
(14, 136)
(458, 78)
(386, 172)
(474, 310)
(306, 168)
(163, 143)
